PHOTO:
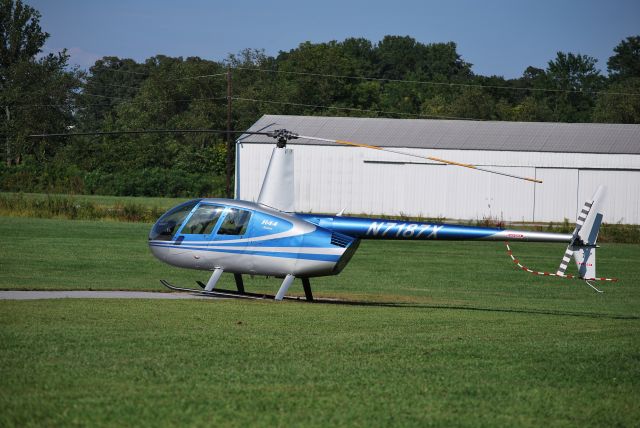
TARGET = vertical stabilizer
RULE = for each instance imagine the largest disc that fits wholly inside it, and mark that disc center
(585, 261)
(585, 235)
(278, 185)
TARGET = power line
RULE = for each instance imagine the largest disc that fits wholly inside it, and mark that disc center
(135, 132)
(157, 102)
(115, 70)
(130, 101)
(284, 103)
(102, 96)
(198, 77)
(420, 82)
(202, 76)
(351, 109)
(424, 82)
(126, 101)
(111, 84)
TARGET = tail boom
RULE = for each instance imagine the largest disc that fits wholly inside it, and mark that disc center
(372, 228)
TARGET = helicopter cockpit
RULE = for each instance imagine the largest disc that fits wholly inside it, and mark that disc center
(167, 224)
(195, 217)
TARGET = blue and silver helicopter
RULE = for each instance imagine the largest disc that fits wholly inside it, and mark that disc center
(268, 238)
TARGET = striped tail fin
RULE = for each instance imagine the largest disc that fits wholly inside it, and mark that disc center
(583, 244)
(565, 261)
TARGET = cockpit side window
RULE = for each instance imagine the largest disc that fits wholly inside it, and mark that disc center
(235, 222)
(203, 220)
(169, 223)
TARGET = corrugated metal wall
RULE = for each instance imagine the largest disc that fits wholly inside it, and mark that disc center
(362, 181)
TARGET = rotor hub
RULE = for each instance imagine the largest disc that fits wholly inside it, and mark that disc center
(282, 136)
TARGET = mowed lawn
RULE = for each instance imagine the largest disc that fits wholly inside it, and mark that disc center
(107, 201)
(436, 333)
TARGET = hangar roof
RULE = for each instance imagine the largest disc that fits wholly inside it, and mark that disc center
(459, 134)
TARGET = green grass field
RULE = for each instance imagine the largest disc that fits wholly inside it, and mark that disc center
(107, 201)
(438, 333)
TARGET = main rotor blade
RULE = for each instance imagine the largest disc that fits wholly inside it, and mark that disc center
(149, 131)
(435, 159)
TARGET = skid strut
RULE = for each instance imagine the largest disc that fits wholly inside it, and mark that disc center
(307, 289)
(239, 282)
(215, 276)
(285, 286)
(288, 280)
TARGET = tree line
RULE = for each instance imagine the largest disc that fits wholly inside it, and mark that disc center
(394, 77)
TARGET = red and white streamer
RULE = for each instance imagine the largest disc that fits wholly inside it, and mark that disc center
(534, 272)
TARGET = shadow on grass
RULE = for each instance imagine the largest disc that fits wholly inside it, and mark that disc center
(232, 294)
(344, 302)
(474, 308)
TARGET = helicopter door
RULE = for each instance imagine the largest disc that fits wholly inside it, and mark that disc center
(235, 224)
(231, 233)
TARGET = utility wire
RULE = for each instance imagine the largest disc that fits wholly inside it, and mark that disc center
(126, 101)
(156, 102)
(254, 100)
(350, 109)
(420, 82)
(336, 76)
(379, 79)
(111, 85)
(115, 70)
(425, 82)
(202, 76)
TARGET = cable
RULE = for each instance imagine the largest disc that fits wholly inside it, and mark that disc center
(136, 132)
(156, 102)
(421, 82)
(198, 77)
(424, 82)
(112, 85)
(137, 87)
(259, 101)
(352, 109)
(115, 70)
(166, 80)
(124, 102)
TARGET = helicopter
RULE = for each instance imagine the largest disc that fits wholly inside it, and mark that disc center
(268, 238)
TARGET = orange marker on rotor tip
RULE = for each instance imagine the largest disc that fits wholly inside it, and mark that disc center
(466, 165)
(445, 161)
(366, 146)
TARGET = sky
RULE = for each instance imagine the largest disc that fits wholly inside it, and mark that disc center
(499, 37)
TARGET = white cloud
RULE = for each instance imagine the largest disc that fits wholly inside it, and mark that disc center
(81, 57)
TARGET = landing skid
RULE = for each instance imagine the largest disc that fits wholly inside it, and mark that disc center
(226, 293)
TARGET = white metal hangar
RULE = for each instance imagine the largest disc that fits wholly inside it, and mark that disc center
(571, 159)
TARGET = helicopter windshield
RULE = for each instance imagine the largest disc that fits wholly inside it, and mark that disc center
(167, 225)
